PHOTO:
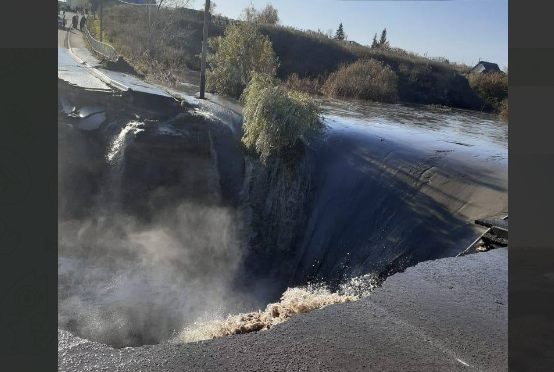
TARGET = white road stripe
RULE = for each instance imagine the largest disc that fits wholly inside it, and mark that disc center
(461, 361)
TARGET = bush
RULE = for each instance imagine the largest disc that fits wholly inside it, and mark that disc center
(504, 109)
(174, 42)
(242, 52)
(275, 118)
(491, 88)
(462, 68)
(364, 79)
(269, 15)
(168, 43)
(306, 85)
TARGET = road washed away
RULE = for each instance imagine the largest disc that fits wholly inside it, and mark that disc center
(446, 315)
(166, 226)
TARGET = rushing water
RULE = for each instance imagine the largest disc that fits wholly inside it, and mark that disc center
(386, 186)
(294, 301)
(119, 142)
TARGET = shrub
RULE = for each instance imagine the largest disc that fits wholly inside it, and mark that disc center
(174, 41)
(242, 52)
(491, 88)
(363, 79)
(462, 68)
(306, 85)
(417, 74)
(275, 118)
(269, 15)
(169, 42)
(504, 109)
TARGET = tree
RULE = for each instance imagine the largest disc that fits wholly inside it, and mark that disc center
(171, 3)
(275, 118)
(383, 42)
(249, 14)
(339, 35)
(375, 43)
(94, 5)
(213, 5)
(269, 15)
(238, 55)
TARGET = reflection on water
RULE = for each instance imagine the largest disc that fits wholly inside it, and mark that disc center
(480, 133)
(465, 127)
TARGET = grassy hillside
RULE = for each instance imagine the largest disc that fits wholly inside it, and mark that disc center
(174, 42)
(420, 80)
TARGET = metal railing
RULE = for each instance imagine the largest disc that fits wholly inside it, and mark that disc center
(105, 50)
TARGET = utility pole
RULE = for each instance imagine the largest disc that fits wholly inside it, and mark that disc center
(148, 12)
(101, 19)
(204, 50)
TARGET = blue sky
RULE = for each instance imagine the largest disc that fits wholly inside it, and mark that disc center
(462, 31)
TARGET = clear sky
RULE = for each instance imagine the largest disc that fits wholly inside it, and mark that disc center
(462, 31)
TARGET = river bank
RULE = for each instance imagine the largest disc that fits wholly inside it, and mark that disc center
(306, 57)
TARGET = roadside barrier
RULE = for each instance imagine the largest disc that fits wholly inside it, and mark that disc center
(105, 50)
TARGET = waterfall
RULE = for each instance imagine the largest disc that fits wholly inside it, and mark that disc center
(116, 159)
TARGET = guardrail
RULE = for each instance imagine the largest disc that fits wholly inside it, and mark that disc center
(99, 47)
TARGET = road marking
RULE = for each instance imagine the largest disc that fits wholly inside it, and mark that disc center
(461, 361)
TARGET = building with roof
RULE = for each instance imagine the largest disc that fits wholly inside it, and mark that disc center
(484, 67)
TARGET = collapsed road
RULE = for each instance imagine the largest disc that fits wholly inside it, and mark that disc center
(368, 198)
(444, 315)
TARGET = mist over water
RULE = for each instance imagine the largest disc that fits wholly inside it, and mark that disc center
(126, 280)
(125, 283)
(167, 231)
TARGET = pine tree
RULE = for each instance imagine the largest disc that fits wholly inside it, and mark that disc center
(383, 42)
(339, 35)
(375, 44)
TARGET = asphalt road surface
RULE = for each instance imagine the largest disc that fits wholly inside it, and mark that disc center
(62, 33)
(444, 315)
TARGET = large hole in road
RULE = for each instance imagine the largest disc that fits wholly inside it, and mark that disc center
(166, 225)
